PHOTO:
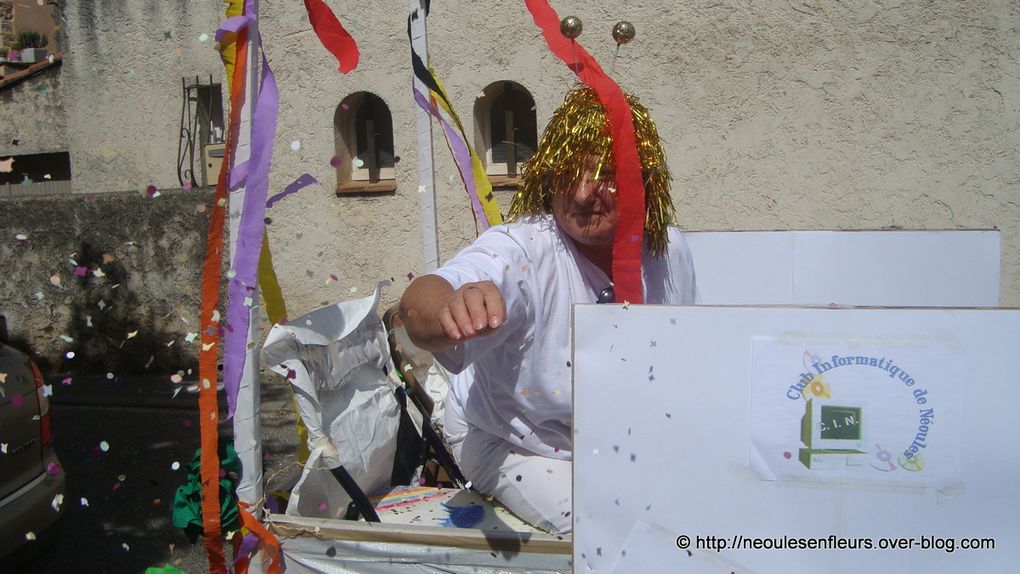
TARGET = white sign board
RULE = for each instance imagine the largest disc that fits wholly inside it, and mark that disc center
(776, 440)
(892, 268)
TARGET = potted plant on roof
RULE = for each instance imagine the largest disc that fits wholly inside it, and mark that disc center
(32, 44)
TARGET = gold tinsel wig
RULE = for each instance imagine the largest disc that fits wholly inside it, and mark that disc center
(579, 130)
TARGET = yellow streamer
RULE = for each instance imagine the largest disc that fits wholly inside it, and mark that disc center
(483, 188)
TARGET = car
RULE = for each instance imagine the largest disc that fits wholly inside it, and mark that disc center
(32, 480)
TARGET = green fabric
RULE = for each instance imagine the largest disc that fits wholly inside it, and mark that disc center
(187, 512)
(164, 569)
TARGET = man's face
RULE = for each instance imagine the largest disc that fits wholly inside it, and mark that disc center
(588, 212)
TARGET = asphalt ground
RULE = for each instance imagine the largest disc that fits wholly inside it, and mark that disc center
(119, 501)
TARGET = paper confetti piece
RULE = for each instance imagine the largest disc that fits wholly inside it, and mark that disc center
(125, 546)
(80, 271)
(57, 501)
(175, 466)
(21, 237)
(132, 334)
(66, 339)
(203, 37)
(30, 535)
(104, 446)
(176, 378)
(66, 381)
(190, 337)
(84, 502)
(47, 390)
(335, 161)
(7, 165)
(295, 145)
(3, 448)
(55, 280)
(99, 273)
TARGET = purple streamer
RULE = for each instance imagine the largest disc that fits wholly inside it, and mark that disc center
(249, 544)
(250, 231)
(299, 183)
(238, 176)
(233, 24)
(461, 156)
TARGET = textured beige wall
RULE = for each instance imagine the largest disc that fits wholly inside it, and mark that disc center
(122, 73)
(775, 115)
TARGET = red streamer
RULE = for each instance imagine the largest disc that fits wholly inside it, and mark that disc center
(207, 401)
(266, 538)
(629, 236)
(332, 35)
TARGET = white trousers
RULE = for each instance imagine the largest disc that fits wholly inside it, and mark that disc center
(535, 488)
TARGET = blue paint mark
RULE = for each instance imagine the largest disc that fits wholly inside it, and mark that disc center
(463, 516)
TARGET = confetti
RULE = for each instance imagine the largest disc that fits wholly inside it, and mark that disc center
(335, 161)
(125, 546)
(99, 273)
(84, 502)
(104, 446)
(295, 145)
(203, 37)
(47, 390)
(66, 339)
(176, 378)
(3, 448)
(30, 535)
(66, 381)
(132, 334)
(80, 271)
(17, 400)
(57, 501)
(175, 466)
(21, 237)
(55, 280)
(358, 163)
(7, 165)
(109, 376)
(187, 187)
(151, 190)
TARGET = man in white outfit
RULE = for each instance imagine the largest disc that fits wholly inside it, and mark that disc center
(498, 315)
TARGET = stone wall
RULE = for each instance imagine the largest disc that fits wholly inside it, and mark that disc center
(34, 115)
(113, 278)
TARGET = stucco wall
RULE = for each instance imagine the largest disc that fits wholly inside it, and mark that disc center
(33, 113)
(774, 116)
(123, 67)
(148, 253)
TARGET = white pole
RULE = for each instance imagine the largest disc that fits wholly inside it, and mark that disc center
(426, 171)
(247, 412)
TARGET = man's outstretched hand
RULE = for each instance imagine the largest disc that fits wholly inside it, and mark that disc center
(437, 316)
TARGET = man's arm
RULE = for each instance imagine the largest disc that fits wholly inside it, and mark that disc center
(437, 316)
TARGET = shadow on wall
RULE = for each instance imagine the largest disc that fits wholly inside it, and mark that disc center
(113, 330)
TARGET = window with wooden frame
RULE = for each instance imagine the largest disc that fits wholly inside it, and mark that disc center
(506, 129)
(363, 132)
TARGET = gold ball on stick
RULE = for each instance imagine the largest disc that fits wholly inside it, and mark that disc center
(570, 27)
(623, 32)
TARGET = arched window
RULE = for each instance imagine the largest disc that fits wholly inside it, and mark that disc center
(506, 127)
(363, 131)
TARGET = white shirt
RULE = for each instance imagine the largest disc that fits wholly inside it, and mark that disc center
(519, 386)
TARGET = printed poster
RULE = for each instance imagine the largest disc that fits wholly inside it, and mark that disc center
(855, 410)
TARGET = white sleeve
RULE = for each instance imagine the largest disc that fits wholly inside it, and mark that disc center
(495, 256)
(681, 269)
